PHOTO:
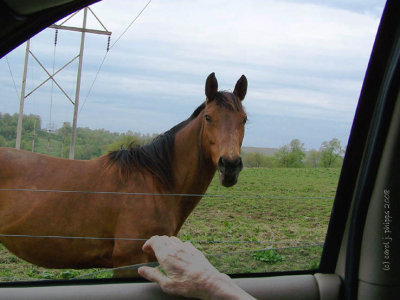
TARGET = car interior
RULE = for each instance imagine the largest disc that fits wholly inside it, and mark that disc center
(360, 254)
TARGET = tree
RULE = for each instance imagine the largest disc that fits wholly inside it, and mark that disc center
(297, 154)
(65, 130)
(30, 122)
(313, 159)
(291, 155)
(282, 156)
(257, 160)
(125, 142)
(3, 141)
(8, 126)
(330, 153)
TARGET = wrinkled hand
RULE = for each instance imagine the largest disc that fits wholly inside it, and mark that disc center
(187, 271)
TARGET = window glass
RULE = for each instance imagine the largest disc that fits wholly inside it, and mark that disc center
(304, 62)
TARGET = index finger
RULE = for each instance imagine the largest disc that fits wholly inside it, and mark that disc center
(155, 244)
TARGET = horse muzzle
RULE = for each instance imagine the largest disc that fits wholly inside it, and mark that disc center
(228, 170)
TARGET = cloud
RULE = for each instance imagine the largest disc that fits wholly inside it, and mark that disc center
(305, 62)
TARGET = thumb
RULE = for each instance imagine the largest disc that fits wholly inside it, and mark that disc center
(153, 274)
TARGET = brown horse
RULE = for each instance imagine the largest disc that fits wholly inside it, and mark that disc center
(154, 181)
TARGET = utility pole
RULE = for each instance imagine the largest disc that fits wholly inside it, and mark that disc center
(22, 99)
(78, 87)
(83, 31)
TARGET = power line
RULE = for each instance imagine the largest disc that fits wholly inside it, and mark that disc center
(133, 21)
(12, 77)
(108, 49)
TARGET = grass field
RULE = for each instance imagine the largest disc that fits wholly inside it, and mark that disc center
(284, 209)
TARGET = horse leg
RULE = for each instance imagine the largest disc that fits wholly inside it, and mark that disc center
(129, 254)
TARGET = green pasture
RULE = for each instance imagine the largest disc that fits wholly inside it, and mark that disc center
(286, 210)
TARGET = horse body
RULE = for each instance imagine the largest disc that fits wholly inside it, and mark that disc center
(56, 213)
(153, 207)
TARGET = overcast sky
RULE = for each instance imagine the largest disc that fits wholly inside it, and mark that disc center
(305, 62)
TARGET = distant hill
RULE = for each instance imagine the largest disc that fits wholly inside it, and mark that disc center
(265, 151)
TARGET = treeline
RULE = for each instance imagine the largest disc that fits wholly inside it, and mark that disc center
(294, 155)
(94, 143)
(89, 143)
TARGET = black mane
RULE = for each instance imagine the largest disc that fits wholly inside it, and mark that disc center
(156, 156)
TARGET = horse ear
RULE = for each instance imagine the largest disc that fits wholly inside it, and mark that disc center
(211, 86)
(241, 88)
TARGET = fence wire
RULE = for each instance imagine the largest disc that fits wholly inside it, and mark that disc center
(136, 266)
(145, 239)
(156, 264)
(230, 196)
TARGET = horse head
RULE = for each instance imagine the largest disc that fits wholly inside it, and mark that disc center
(223, 129)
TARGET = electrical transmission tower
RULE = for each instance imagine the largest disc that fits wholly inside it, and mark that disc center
(75, 102)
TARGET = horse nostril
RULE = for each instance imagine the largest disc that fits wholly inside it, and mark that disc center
(221, 163)
(237, 162)
(230, 165)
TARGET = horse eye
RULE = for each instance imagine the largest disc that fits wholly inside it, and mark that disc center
(208, 118)
(244, 120)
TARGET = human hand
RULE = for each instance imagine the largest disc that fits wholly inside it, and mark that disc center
(187, 271)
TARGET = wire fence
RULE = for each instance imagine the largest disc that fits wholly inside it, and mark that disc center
(156, 264)
(271, 244)
(231, 195)
(258, 242)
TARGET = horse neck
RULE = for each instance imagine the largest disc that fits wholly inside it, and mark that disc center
(193, 170)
